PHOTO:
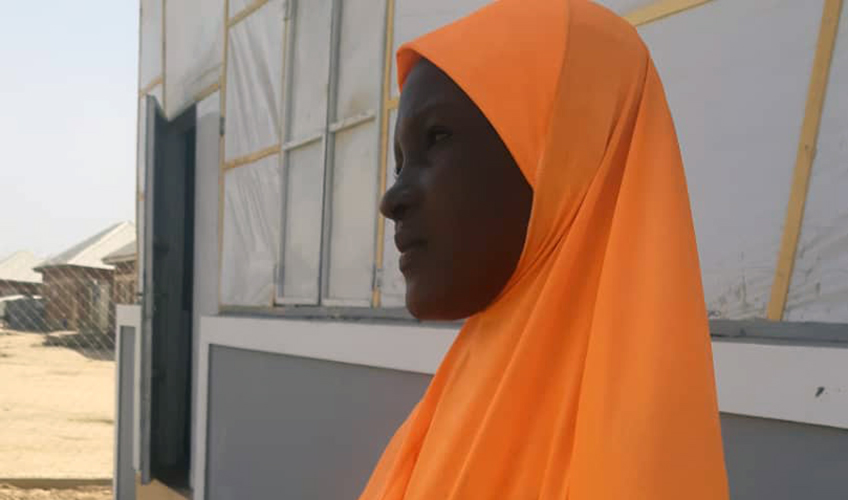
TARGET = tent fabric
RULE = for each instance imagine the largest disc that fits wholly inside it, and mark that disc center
(590, 377)
(252, 211)
(150, 40)
(194, 50)
(819, 287)
(254, 82)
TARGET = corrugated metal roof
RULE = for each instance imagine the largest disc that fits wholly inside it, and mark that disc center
(91, 251)
(123, 254)
(20, 266)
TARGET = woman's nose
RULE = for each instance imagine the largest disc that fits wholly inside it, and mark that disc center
(395, 203)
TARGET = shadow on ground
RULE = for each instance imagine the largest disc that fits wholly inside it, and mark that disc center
(96, 346)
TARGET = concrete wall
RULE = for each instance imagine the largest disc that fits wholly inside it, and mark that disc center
(288, 427)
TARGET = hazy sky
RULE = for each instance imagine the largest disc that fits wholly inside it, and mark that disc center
(67, 121)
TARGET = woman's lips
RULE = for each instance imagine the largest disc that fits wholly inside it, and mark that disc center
(409, 255)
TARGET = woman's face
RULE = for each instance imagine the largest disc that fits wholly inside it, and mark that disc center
(460, 203)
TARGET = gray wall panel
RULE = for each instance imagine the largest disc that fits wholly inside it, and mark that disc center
(288, 427)
(774, 460)
(297, 428)
(124, 484)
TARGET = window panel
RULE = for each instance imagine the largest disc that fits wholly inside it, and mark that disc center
(302, 219)
(360, 51)
(354, 212)
(309, 68)
(254, 82)
(392, 285)
(252, 196)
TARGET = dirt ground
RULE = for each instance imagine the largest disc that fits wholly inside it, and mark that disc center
(57, 408)
(87, 493)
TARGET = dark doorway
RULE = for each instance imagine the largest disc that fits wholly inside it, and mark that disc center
(169, 239)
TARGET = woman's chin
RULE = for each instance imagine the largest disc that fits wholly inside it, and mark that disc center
(427, 306)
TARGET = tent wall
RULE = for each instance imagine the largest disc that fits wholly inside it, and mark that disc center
(737, 75)
(251, 211)
(819, 287)
(194, 50)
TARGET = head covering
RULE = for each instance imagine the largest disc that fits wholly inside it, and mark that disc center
(590, 376)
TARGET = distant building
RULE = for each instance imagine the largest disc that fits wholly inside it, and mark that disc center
(22, 313)
(17, 275)
(125, 277)
(77, 284)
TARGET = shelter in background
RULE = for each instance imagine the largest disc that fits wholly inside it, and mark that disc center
(77, 284)
(124, 279)
(22, 313)
(17, 274)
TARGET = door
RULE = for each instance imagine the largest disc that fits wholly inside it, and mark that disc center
(155, 126)
(167, 305)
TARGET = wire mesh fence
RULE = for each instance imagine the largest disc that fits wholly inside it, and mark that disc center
(57, 369)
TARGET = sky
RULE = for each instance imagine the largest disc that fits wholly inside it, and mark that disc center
(68, 97)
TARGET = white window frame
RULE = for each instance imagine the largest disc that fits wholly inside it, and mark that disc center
(332, 126)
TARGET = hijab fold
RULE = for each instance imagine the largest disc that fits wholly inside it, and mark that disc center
(590, 376)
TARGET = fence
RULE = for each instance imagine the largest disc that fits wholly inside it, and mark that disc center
(57, 371)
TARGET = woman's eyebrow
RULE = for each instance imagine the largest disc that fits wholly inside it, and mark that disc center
(429, 107)
(414, 115)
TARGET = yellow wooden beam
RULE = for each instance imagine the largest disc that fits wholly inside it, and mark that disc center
(252, 157)
(804, 158)
(660, 9)
(203, 94)
(393, 103)
(384, 138)
(247, 11)
(150, 86)
(222, 146)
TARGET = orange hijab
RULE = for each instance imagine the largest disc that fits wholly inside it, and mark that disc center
(590, 376)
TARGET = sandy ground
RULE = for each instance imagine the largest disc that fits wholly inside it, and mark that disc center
(57, 410)
(89, 493)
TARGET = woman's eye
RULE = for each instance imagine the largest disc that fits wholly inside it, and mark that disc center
(437, 135)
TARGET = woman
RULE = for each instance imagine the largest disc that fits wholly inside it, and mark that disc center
(540, 193)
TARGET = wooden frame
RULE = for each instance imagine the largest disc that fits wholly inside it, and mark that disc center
(244, 13)
(804, 160)
(661, 9)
